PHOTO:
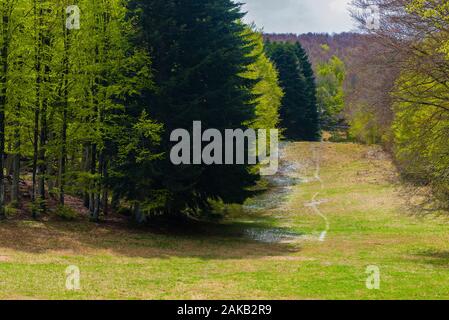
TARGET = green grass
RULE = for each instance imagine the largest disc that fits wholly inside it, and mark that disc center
(370, 225)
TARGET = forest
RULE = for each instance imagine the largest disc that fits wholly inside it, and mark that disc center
(406, 107)
(394, 87)
(100, 198)
(92, 90)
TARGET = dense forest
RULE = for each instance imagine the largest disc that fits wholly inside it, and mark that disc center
(168, 149)
(405, 106)
(299, 112)
(395, 87)
(90, 93)
(92, 90)
(336, 61)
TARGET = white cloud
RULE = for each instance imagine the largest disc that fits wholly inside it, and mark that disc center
(299, 16)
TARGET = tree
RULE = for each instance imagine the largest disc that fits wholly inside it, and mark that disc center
(330, 92)
(313, 131)
(67, 91)
(299, 115)
(413, 41)
(199, 54)
(6, 11)
(87, 112)
(117, 73)
(267, 91)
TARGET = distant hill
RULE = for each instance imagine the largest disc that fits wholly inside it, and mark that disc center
(344, 45)
(348, 46)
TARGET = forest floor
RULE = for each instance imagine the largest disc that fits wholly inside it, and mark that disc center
(349, 212)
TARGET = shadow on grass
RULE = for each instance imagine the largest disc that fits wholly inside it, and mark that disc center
(434, 257)
(251, 236)
(194, 239)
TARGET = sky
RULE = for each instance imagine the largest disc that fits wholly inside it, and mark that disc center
(299, 16)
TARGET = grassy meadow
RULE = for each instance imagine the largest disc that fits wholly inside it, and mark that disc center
(370, 224)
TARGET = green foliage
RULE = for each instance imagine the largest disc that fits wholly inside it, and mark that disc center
(267, 91)
(11, 210)
(364, 127)
(37, 207)
(71, 95)
(66, 213)
(200, 56)
(312, 127)
(330, 94)
(325, 47)
(403, 86)
(420, 135)
(89, 111)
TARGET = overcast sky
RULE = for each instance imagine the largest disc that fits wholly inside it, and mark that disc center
(299, 16)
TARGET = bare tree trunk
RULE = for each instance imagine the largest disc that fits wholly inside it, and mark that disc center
(63, 156)
(42, 154)
(35, 153)
(52, 182)
(105, 196)
(93, 171)
(86, 167)
(99, 187)
(138, 213)
(4, 70)
(15, 189)
(115, 201)
(38, 46)
(43, 135)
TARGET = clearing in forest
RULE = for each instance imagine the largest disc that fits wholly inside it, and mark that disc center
(359, 200)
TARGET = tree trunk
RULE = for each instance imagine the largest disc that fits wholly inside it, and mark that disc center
(86, 167)
(93, 171)
(115, 202)
(4, 70)
(98, 188)
(52, 182)
(15, 189)
(105, 196)
(63, 156)
(42, 165)
(42, 154)
(38, 48)
(138, 216)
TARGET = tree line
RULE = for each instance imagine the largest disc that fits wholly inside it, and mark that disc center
(403, 102)
(88, 112)
(299, 112)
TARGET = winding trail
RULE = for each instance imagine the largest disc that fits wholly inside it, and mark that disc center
(282, 185)
(314, 203)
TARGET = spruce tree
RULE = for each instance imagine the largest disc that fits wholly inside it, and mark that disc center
(292, 111)
(299, 114)
(312, 123)
(199, 54)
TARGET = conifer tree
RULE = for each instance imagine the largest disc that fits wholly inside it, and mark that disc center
(299, 114)
(199, 55)
(312, 123)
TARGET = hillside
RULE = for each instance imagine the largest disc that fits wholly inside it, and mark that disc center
(345, 45)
